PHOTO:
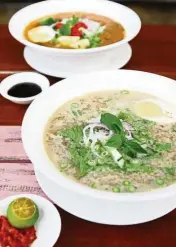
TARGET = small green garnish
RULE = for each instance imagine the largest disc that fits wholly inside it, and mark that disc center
(104, 154)
(129, 147)
(74, 109)
(126, 183)
(163, 147)
(160, 181)
(170, 170)
(114, 141)
(47, 22)
(100, 161)
(93, 186)
(116, 189)
(94, 40)
(91, 162)
(131, 188)
(65, 30)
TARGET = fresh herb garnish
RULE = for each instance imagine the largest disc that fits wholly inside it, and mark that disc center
(132, 148)
(163, 147)
(47, 22)
(114, 141)
(65, 30)
(112, 122)
(129, 147)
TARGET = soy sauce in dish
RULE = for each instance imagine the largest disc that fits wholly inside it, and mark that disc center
(24, 90)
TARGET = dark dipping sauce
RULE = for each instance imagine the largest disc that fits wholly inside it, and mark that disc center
(24, 90)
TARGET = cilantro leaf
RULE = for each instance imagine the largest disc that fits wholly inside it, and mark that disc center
(163, 147)
(47, 22)
(115, 141)
(132, 148)
(65, 30)
(74, 134)
(74, 20)
(112, 122)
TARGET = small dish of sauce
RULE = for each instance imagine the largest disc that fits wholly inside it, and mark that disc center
(23, 88)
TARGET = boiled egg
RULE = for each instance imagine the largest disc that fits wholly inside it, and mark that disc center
(68, 41)
(41, 34)
(81, 44)
(154, 110)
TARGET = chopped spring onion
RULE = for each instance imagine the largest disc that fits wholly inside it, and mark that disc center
(126, 183)
(92, 163)
(131, 188)
(104, 154)
(116, 189)
(74, 109)
(160, 181)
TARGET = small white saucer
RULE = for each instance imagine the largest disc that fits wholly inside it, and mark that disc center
(22, 77)
(48, 226)
(49, 66)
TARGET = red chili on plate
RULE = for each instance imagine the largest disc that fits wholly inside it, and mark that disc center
(12, 237)
(75, 31)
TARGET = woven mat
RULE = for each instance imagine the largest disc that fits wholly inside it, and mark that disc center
(16, 172)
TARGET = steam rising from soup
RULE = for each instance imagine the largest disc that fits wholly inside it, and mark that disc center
(118, 141)
(74, 31)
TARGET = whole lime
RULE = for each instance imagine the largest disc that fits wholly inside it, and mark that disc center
(22, 213)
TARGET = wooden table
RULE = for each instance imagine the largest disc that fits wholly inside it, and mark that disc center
(154, 50)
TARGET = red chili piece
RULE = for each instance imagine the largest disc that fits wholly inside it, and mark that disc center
(12, 237)
(75, 31)
(59, 25)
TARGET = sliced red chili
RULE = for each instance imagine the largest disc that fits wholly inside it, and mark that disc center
(59, 25)
(75, 31)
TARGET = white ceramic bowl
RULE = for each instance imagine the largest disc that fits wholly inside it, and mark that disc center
(82, 201)
(48, 226)
(17, 78)
(77, 60)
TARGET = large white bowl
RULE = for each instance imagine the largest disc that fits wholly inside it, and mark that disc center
(77, 60)
(87, 203)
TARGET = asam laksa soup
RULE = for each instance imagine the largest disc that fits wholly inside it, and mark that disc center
(119, 141)
(74, 31)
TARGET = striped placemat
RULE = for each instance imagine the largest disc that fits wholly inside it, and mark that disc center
(16, 171)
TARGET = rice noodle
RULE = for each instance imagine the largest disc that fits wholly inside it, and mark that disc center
(95, 136)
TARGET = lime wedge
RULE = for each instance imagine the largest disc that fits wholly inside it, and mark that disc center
(22, 213)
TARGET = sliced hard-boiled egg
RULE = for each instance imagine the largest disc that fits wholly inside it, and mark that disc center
(81, 44)
(68, 41)
(153, 109)
(148, 108)
(41, 34)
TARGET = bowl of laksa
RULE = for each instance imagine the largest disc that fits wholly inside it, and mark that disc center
(107, 146)
(78, 36)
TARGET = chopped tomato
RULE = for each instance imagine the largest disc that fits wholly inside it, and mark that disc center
(12, 237)
(59, 25)
(75, 31)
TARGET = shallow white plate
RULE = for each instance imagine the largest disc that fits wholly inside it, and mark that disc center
(48, 226)
(53, 67)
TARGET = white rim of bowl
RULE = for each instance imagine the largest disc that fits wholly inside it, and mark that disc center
(76, 51)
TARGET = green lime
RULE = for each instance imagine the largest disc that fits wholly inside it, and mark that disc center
(22, 213)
